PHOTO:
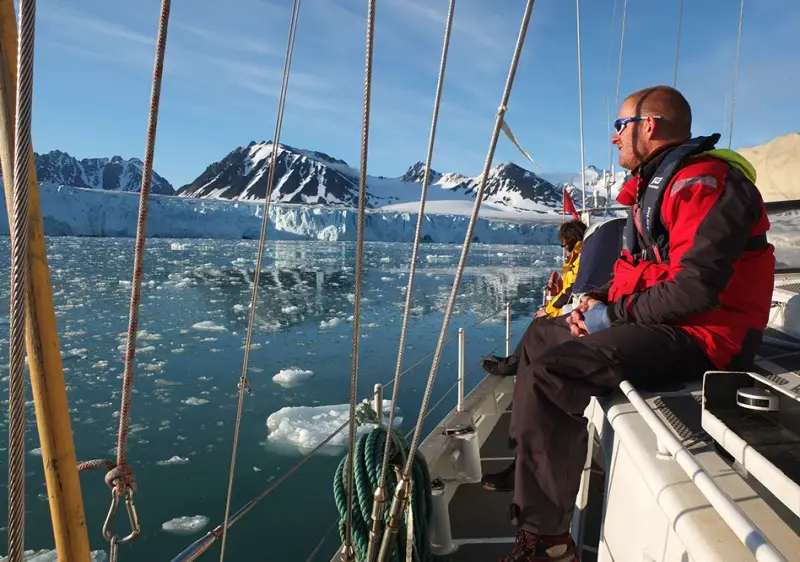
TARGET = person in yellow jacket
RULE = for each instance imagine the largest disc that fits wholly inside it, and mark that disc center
(559, 289)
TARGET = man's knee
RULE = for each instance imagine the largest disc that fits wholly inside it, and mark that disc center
(570, 373)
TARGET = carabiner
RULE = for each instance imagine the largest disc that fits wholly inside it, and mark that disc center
(113, 550)
(133, 517)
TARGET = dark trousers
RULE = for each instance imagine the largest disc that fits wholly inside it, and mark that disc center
(517, 353)
(556, 379)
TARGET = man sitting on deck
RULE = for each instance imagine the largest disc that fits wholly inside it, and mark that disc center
(691, 292)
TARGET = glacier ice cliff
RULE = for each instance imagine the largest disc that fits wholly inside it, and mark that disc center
(70, 211)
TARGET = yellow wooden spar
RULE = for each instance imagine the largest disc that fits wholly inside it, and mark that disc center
(44, 354)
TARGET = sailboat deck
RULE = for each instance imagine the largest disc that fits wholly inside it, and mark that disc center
(479, 519)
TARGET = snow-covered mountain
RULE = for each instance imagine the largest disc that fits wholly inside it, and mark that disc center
(112, 174)
(309, 177)
(600, 185)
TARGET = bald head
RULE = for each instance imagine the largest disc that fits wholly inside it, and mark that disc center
(676, 115)
(651, 119)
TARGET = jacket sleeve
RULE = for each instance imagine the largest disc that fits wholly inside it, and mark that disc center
(600, 293)
(568, 277)
(710, 211)
(553, 308)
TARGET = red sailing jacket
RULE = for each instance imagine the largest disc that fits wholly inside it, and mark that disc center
(717, 279)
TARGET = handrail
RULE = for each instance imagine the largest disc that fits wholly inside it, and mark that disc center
(772, 207)
(744, 529)
(787, 270)
(201, 545)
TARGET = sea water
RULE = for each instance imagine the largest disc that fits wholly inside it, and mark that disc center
(189, 356)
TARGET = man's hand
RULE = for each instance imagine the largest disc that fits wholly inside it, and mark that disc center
(541, 313)
(587, 303)
(575, 323)
(575, 318)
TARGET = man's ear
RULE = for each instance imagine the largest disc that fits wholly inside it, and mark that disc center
(651, 127)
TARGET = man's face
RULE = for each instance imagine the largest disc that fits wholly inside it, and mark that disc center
(631, 140)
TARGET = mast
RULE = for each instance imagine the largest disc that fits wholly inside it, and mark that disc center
(41, 332)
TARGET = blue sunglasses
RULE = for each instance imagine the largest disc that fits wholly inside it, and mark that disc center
(619, 124)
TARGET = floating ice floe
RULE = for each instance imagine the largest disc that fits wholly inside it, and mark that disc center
(210, 326)
(173, 460)
(305, 427)
(52, 556)
(332, 323)
(292, 376)
(187, 525)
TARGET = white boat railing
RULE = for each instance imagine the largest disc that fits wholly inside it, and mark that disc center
(744, 529)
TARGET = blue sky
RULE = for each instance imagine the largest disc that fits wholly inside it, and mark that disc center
(224, 61)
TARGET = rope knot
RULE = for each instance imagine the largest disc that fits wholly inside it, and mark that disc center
(121, 477)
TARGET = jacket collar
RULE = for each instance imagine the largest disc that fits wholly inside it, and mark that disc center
(642, 175)
(576, 251)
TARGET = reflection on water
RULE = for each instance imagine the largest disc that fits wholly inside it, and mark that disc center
(292, 296)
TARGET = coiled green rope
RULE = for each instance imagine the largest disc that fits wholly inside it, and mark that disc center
(368, 459)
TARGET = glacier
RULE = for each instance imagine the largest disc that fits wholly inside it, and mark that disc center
(71, 211)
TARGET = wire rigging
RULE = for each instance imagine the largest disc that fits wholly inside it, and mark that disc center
(380, 491)
(19, 284)
(243, 382)
(736, 72)
(678, 44)
(362, 203)
(580, 105)
(403, 488)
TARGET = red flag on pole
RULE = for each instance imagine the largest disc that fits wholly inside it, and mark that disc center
(569, 207)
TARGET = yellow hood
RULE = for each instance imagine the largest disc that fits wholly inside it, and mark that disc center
(734, 159)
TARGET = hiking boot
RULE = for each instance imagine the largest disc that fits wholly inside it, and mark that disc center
(502, 481)
(502, 366)
(540, 548)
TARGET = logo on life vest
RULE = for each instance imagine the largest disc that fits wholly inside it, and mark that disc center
(654, 183)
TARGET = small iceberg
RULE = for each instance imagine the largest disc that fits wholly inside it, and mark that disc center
(292, 376)
(209, 326)
(332, 323)
(173, 460)
(302, 428)
(185, 525)
(52, 556)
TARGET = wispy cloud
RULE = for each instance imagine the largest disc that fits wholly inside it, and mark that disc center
(481, 26)
(297, 99)
(306, 91)
(77, 24)
(268, 73)
(247, 44)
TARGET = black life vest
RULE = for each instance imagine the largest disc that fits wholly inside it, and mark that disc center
(644, 218)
